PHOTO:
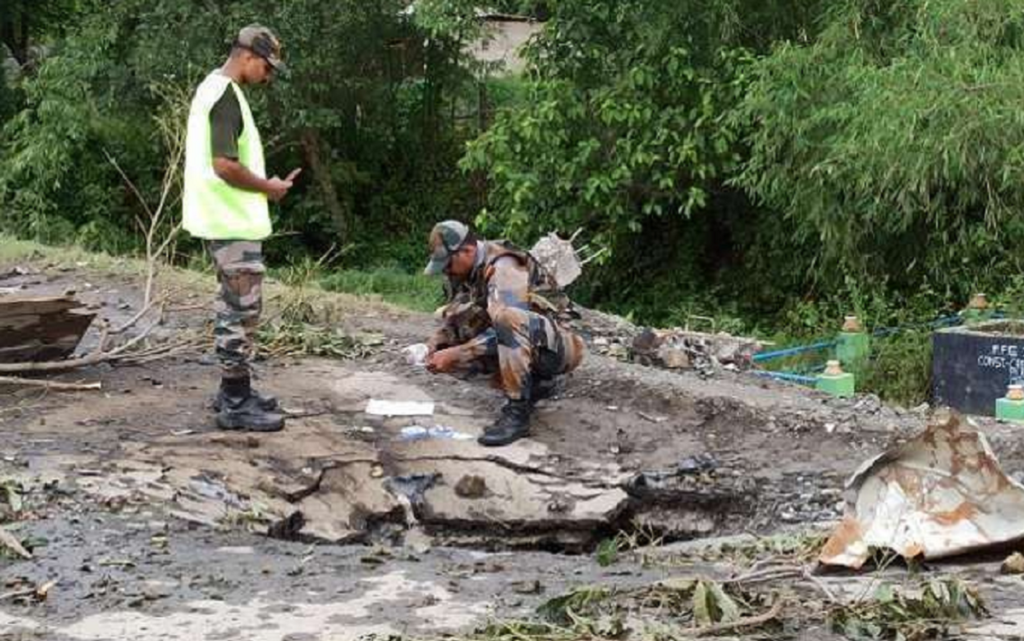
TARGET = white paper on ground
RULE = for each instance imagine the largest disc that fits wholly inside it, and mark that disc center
(377, 407)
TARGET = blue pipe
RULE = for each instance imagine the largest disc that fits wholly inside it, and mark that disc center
(786, 376)
(790, 351)
(942, 321)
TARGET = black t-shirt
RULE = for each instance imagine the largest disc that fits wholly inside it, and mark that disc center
(226, 125)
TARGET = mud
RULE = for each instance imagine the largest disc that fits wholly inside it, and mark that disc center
(156, 523)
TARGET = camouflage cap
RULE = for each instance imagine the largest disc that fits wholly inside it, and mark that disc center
(445, 239)
(262, 41)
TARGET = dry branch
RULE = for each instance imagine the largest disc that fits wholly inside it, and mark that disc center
(157, 245)
(54, 385)
(8, 541)
(97, 356)
(742, 622)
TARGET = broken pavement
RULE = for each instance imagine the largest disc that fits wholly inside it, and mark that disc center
(141, 482)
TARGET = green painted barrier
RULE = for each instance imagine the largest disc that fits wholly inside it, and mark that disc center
(1011, 407)
(835, 381)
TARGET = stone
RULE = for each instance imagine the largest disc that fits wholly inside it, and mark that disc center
(673, 357)
(1014, 564)
(471, 486)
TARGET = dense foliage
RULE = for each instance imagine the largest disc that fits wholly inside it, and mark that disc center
(899, 129)
(627, 134)
(772, 161)
(367, 110)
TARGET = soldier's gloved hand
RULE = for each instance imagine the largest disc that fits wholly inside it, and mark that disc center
(443, 361)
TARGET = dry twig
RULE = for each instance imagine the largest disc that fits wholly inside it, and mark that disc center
(10, 542)
(820, 585)
(767, 574)
(742, 622)
(54, 385)
(98, 355)
(157, 246)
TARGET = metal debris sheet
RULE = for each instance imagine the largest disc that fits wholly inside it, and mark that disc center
(941, 494)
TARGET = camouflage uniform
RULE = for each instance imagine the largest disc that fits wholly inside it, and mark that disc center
(240, 273)
(507, 316)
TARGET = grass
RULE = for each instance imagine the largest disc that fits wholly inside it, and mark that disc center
(14, 250)
(900, 368)
(412, 291)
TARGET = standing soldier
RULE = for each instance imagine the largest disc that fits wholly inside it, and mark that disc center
(225, 203)
(504, 311)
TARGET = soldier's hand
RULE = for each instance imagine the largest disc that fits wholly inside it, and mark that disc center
(442, 361)
(278, 188)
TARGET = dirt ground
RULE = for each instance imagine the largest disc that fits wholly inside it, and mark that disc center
(156, 525)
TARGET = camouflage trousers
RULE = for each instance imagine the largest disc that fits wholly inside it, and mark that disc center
(240, 269)
(521, 347)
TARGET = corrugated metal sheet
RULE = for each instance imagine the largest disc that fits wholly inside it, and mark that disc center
(942, 493)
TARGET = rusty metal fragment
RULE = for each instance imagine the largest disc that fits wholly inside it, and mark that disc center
(941, 494)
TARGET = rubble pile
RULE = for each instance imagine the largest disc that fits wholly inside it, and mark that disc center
(674, 349)
(682, 349)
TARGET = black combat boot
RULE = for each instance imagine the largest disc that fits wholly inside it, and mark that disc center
(542, 388)
(512, 425)
(267, 403)
(240, 409)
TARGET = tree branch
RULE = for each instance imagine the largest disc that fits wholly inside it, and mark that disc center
(54, 385)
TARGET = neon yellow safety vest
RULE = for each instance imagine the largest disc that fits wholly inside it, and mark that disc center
(212, 208)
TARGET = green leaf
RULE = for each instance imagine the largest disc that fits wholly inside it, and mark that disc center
(729, 610)
(607, 552)
(702, 606)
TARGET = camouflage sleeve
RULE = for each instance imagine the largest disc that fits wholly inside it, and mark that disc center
(442, 338)
(483, 344)
(508, 286)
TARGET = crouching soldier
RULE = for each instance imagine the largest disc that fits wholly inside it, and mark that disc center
(504, 314)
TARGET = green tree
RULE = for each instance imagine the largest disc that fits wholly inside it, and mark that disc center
(625, 134)
(363, 111)
(23, 22)
(892, 145)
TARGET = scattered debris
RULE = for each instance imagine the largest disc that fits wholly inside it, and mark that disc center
(927, 612)
(680, 608)
(292, 338)
(471, 486)
(697, 464)
(652, 418)
(942, 493)
(416, 355)
(684, 349)
(527, 587)
(50, 385)
(37, 593)
(9, 541)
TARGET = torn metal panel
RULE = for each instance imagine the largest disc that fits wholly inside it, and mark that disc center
(941, 494)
